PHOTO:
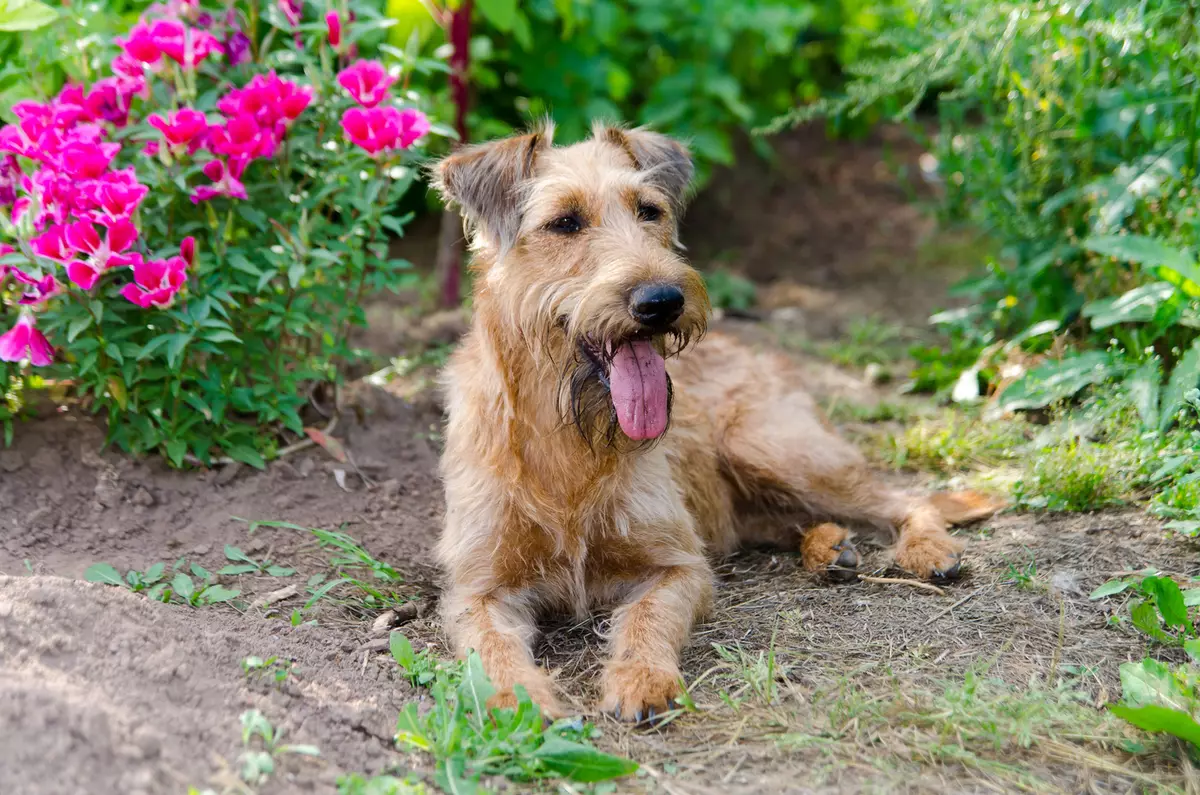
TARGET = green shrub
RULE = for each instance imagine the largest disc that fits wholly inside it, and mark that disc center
(190, 224)
(1069, 133)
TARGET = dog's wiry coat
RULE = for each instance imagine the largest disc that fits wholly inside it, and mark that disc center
(550, 505)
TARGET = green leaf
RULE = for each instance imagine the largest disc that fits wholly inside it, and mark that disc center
(176, 449)
(1169, 600)
(237, 568)
(476, 688)
(280, 571)
(1144, 251)
(1184, 378)
(1144, 387)
(1144, 616)
(183, 585)
(154, 573)
(78, 326)
(1154, 718)
(1151, 682)
(1136, 306)
(18, 15)
(1054, 381)
(153, 345)
(1109, 588)
(103, 572)
(501, 14)
(175, 347)
(402, 650)
(218, 593)
(233, 553)
(247, 455)
(581, 763)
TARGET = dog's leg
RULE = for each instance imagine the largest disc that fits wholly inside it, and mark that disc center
(782, 452)
(501, 628)
(642, 678)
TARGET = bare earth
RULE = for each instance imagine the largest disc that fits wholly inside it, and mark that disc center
(105, 691)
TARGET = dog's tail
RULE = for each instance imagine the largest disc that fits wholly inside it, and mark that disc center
(964, 507)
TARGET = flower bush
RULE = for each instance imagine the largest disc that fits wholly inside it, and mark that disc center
(189, 228)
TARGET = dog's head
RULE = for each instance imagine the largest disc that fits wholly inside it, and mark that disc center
(578, 252)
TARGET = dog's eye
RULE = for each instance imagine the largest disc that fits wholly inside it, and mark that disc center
(566, 224)
(649, 212)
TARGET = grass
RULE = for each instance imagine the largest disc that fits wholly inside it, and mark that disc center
(1077, 476)
(955, 441)
(866, 341)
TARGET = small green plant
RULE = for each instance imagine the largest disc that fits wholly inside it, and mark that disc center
(728, 290)
(1155, 696)
(756, 675)
(1160, 609)
(1023, 576)
(263, 745)
(241, 563)
(469, 741)
(197, 589)
(956, 442)
(277, 669)
(867, 341)
(419, 666)
(353, 566)
(1076, 476)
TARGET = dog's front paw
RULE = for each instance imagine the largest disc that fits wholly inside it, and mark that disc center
(827, 548)
(541, 694)
(931, 557)
(635, 691)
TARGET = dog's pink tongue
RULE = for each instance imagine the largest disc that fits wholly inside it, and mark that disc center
(638, 380)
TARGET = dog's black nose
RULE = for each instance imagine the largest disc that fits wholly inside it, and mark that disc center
(656, 304)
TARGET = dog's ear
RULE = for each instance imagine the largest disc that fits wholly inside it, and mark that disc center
(667, 161)
(483, 181)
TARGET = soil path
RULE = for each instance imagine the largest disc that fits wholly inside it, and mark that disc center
(103, 690)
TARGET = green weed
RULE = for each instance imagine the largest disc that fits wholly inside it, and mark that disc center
(956, 442)
(355, 784)
(1023, 576)
(241, 563)
(728, 290)
(197, 588)
(469, 741)
(1077, 476)
(755, 675)
(277, 669)
(263, 745)
(866, 341)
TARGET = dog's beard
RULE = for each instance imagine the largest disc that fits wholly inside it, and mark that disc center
(588, 403)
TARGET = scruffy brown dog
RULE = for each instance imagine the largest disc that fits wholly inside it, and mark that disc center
(565, 490)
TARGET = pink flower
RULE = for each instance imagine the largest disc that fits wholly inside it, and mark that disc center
(114, 197)
(108, 100)
(24, 341)
(367, 81)
(413, 125)
(156, 282)
(226, 181)
(52, 244)
(101, 254)
(184, 128)
(293, 10)
(268, 99)
(182, 44)
(10, 178)
(141, 44)
(187, 250)
(334, 23)
(379, 129)
(43, 290)
(86, 160)
(242, 137)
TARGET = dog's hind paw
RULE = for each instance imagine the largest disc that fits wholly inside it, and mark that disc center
(931, 557)
(639, 693)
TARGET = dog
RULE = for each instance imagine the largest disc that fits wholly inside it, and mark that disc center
(595, 455)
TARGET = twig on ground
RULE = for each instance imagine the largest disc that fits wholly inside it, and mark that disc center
(924, 586)
(959, 603)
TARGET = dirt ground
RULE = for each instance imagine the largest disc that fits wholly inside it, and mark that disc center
(102, 690)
